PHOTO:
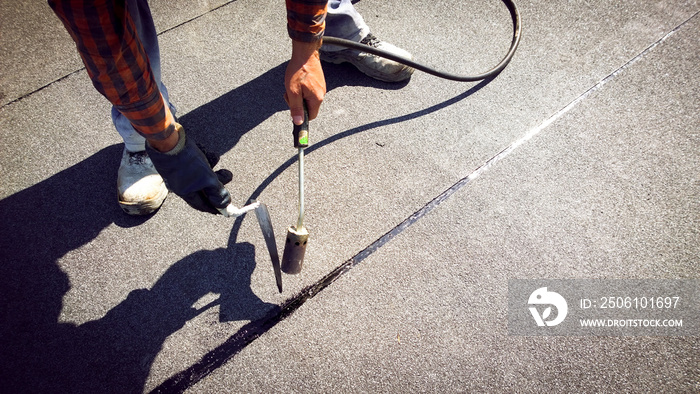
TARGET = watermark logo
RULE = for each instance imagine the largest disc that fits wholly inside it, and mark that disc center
(604, 307)
(543, 297)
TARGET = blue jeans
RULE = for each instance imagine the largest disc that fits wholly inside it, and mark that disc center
(342, 21)
(141, 15)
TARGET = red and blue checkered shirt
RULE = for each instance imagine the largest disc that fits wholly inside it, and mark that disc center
(116, 62)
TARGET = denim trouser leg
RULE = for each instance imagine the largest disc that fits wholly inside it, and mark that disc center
(141, 15)
(343, 21)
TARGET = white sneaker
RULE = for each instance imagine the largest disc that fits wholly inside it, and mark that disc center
(141, 189)
(374, 66)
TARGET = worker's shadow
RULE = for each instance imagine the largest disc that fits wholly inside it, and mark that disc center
(219, 124)
(43, 223)
(114, 353)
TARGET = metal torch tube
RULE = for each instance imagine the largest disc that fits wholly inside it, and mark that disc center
(300, 221)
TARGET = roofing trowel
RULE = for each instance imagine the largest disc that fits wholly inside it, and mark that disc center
(266, 227)
(269, 235)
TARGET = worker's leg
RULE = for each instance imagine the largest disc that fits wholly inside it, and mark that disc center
(141, 15)
(108, 35)
(343, 21)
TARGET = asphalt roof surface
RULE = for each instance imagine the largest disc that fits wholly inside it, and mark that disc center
(423, 200)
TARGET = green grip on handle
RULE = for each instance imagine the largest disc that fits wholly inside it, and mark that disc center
(301, 132)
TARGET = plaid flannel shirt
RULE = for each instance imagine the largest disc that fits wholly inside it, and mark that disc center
(116, 61)
(306, 19)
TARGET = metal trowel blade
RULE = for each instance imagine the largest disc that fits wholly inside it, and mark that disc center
(269, 235)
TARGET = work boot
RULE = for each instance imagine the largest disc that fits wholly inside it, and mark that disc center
(141, 189)
(374, 66)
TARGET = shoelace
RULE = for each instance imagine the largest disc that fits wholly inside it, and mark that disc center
(370, 40)
(138, 158)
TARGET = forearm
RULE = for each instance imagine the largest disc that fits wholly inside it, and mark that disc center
(302, 51)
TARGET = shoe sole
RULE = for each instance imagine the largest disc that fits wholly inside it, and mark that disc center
(145, 207)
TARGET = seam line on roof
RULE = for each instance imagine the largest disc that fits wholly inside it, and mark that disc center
(61, 78)
(219, 356)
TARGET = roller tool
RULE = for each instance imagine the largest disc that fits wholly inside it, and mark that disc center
(298, 236)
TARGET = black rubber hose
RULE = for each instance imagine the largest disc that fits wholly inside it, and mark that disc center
(514, 14)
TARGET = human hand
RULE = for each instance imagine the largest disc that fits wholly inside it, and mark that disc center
(187, 171)
(304, 81)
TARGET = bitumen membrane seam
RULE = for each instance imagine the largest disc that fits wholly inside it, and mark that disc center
(196, 17)
(253, 330)
(39, 89)
(61, 78)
